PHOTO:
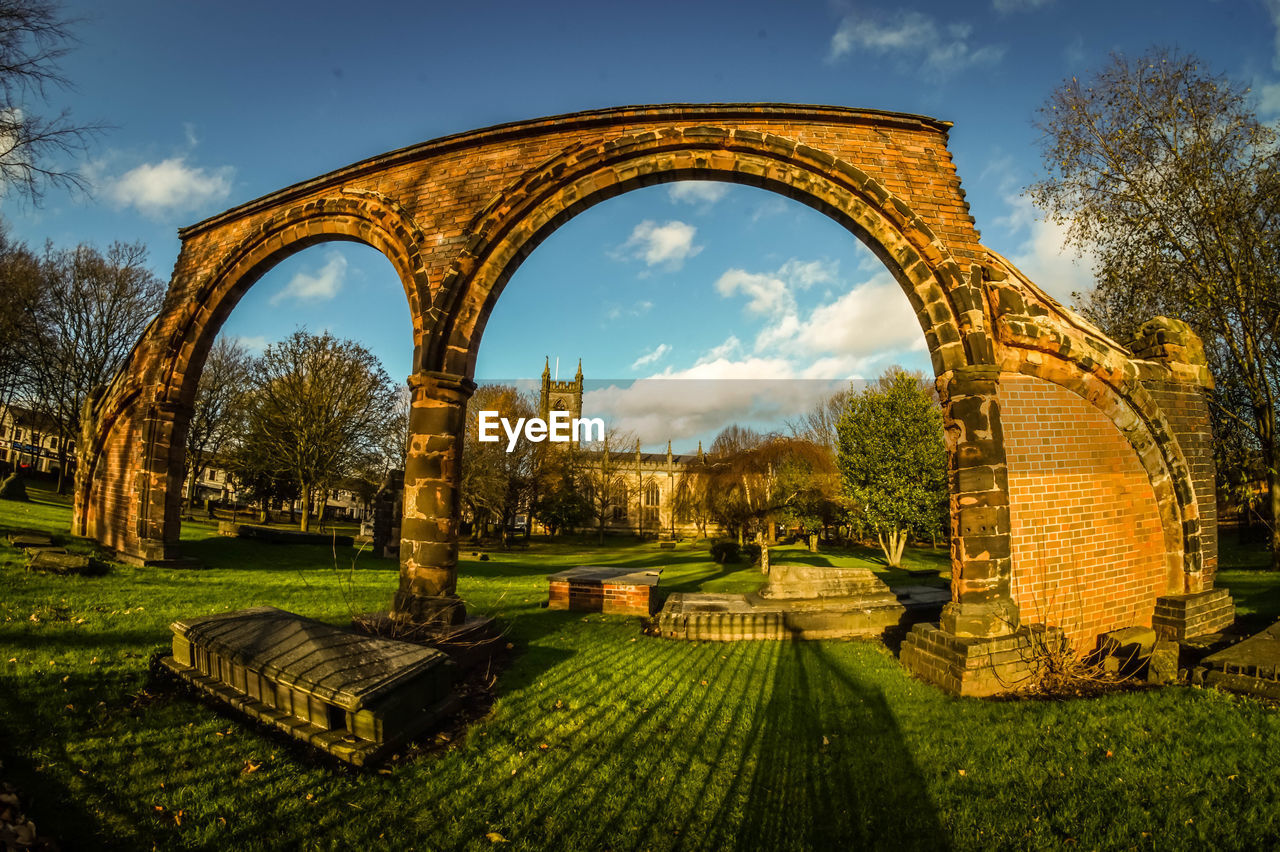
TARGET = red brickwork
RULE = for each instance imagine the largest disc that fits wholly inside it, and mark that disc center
(1088, 545)
(456, 217)
(593, 596)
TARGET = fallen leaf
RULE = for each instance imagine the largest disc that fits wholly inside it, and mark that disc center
(250, 766)
(961, 771)
(495, 837)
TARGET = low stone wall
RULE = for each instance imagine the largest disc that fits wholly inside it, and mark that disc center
(978, 666)
(619, 591)
(274, 535)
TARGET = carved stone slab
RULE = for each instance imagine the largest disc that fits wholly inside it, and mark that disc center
(352, 695)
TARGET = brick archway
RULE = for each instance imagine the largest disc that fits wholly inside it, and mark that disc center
(147, 406)
(457, 215)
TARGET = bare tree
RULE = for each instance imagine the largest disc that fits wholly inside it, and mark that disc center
(33, 38)
(818, 424)
(21, 296)
(95, 307)
(214, 422)
(318, 407)
(602, 475)
(1165, 171)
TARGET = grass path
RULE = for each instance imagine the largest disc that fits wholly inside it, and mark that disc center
(601, 738)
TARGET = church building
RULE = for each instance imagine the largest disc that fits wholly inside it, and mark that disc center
(642, 487)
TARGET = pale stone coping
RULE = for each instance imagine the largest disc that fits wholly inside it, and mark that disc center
(610, 575)
(340, 666)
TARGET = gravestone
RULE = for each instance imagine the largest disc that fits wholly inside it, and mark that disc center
(798, 602)
(622, 591)
(349, 694)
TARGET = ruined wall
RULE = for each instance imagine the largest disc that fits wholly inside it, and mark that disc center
(1088, 546)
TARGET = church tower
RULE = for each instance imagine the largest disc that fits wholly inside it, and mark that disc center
(560, 396)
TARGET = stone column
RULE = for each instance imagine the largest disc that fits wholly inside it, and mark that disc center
(1174, 370)
(981, 562)
(159, 475)
(429, 530)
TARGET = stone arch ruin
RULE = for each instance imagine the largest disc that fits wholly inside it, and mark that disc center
(1081, 472)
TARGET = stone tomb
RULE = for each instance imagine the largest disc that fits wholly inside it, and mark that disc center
(354, 696)
(622, 591)
(1252, 666)
(798, 602)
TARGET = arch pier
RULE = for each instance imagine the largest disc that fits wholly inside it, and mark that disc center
(1081, 469)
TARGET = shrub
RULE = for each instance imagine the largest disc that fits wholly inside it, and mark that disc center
(752, 552)
(724, 551)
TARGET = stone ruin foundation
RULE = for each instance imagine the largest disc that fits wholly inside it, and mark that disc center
(1081, 470)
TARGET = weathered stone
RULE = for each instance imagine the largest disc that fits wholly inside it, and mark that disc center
(621, 591)
(454, 216)
(1251, 666)
(1181, 616)
(1162, 665)
(352, 695)
(60, 562)
(807, 603)
(30, 540)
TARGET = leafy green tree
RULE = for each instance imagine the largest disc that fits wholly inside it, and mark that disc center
(892, 459)
(1164, 171)
(562, 504)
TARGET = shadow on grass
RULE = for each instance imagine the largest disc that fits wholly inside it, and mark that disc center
(833, 771)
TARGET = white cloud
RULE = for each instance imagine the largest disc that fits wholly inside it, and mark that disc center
(769, 208)
(767, 293)
(678, 405)
(321, 286)
(702, 193)
(915, 40)
(1268, 99)
(805, 273)
(1273, 7)
(668, 245)
(863, 321)
(1043, 255)
(638, 309)
(1074, 53)
(170, 186)
(254, 343)
(1018, 5)
(731, 346)
(797, 358)
(651, 357)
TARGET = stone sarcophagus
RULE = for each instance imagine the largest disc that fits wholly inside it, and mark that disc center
(621, 591)
(351, 695)
(798, 602)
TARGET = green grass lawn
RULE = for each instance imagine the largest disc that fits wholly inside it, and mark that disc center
(601, 737)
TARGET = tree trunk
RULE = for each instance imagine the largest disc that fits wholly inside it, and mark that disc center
(813, 542)
(892, 548)
(1273, 487)
(304, 493)
(62, 465)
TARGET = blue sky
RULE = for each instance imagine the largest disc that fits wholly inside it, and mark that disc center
(216, 104)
